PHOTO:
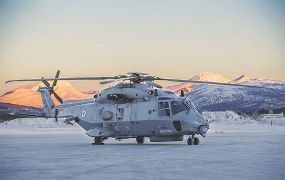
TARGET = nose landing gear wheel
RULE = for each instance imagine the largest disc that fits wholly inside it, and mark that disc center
(140, 140)
(196, 141)
(190, 141)
(193, 140)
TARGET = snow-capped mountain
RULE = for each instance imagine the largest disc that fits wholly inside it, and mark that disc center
(208, 76)
(221, 98)
(205, 76)
(28, 95)
(242, 79)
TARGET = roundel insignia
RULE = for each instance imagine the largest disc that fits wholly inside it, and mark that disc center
(83, 113)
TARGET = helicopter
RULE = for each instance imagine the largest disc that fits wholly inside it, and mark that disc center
(135, 107)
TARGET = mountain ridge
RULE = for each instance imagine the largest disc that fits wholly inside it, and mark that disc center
(27, 94)
(204, 76)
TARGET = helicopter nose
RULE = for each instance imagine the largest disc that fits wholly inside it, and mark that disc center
(203, 129)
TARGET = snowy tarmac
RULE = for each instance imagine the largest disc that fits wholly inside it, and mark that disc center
(228, 152)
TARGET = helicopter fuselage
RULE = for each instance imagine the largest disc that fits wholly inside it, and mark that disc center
(136, 110)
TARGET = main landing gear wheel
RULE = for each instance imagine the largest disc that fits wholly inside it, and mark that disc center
(140, 140)
(196, 141)
(98, 141)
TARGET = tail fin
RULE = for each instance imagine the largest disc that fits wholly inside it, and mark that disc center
(48, 104)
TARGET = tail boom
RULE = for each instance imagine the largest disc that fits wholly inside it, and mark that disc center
(48, 104)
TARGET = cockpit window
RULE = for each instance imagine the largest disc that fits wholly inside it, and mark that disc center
(163, 105)
(163, 108)
(177, 107)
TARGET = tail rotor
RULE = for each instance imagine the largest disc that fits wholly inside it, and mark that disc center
(51, 87)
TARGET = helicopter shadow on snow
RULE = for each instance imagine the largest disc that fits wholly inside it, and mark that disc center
(141, 145)
(133, 144)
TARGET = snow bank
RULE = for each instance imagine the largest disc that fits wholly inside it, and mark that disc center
(35, 123)
(273, 121)
(227, 117)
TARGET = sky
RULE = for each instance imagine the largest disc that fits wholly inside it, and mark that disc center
(177, 39)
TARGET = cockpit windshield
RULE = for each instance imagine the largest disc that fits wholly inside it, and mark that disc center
(178, 106)
(188, 103)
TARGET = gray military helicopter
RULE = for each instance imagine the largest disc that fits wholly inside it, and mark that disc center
(137, 108)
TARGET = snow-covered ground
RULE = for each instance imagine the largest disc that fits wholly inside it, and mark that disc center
(229, 151)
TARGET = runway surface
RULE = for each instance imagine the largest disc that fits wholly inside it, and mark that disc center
(228, 152)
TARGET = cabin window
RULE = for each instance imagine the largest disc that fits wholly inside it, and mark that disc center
(163, 108)
(177, 107)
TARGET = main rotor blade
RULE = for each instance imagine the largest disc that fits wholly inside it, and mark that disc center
(55, 81)
(206, 82)
(115, 80)
(70, 79)
(57, 97)
(45, 82)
